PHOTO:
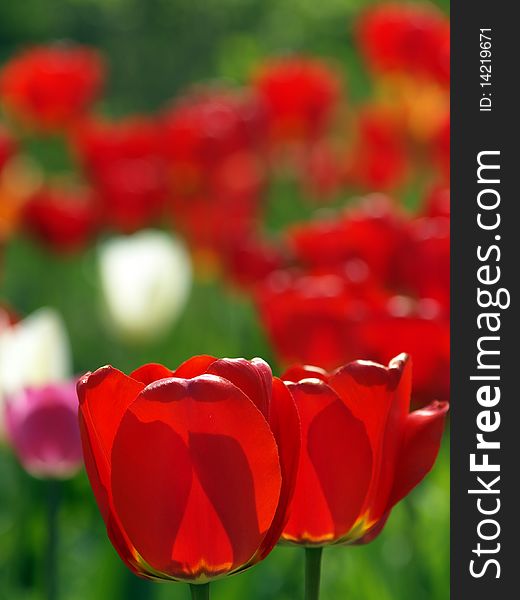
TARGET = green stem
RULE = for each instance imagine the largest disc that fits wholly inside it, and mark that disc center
(312, 573)
(199, 592)
(51, 557)
(23, 559)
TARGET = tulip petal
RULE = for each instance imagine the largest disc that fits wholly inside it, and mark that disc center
(104, 396)
(419, 448)
(152, 372)
(379, 396)
(253, 377)
(196, 476)
(101, 488)
(285, 425)
(335, 467)
(134, 455)
(124, 549)
(194, 366)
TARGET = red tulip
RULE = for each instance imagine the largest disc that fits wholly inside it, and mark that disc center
(51, 86)
(399, 37)
(423, 264)
(212, 142)
(437, 202)
(65, 220)
(379, 159)
(226, 207)
(327, 319)
(362, 451)
(407, 323)
(124, 163)
(209, 124)
(300, 95)
(316, 318)
(370, 233)
(250, 260)
(372, 282)
(192, 469)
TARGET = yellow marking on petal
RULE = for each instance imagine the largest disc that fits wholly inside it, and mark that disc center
(307, 539)
(202, 572)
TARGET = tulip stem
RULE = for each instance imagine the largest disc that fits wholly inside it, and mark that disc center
(312, 573)
(53, 505)
(199, 592)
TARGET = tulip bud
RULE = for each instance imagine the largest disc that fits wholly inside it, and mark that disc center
(146, 279)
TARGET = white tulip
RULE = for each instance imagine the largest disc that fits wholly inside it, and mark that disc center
(33, 352)
(146, 280)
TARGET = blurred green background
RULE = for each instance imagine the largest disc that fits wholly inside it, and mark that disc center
(155, 49)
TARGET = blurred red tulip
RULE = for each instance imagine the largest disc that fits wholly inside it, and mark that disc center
(227, 207)
(437, 202)
(379, 159)
(192, 469)
(300, 95)
(124, 163)
(422, 327)
(362, 451)
(63, 219)
(326, 321)
(423, 264)
(48, 87)
(41, 425)
(251, 260)
(212, 141)
(315, 318)
(404, 37)
(370, 234)
(209, 124)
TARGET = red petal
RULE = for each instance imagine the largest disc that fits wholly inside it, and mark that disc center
(104, 396)
(152, 372)
(196, 476)
(104, 502)
(298, 372)
(378, 396)
(253, 377)
(194, 366)
(335, 467)
(125, 549)
(285, 425)
(419, 448)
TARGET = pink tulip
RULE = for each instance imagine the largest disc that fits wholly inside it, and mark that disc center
(41, 424)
